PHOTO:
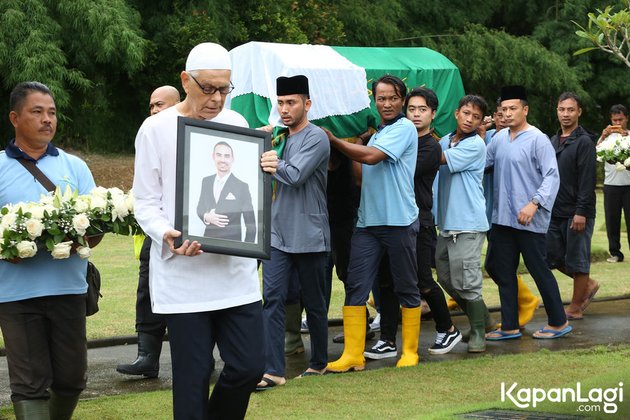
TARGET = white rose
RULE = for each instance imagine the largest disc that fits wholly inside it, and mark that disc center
(600, 159)
(8, 221)
(99, 192)
(34, 227)
(26, 249)
(81, 205)
(61, 250)
(626, 163)
(116, 192)
(620, 166)
(80, 223)
(37, 212)
(84, 252)
(98, 203)
(119, 208)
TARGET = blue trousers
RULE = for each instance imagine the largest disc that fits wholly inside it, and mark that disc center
(238, 332)
(368, 246)
(277, 276)
(507, 246)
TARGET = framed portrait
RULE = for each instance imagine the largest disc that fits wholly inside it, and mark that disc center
(223, 198)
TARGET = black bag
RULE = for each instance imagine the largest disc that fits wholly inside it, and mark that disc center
(92, 277)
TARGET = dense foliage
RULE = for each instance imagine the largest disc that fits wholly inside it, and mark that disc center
(102, 58)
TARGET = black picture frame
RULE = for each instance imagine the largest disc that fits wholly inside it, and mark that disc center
(196, 171)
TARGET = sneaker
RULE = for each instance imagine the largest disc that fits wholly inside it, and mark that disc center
(376, 324)
(304, 326)
(613, 259)
(381, 350)
(444, 342)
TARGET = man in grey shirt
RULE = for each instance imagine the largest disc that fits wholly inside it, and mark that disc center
(300, 237)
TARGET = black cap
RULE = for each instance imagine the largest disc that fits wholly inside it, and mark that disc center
(513, 92)
(296, 85)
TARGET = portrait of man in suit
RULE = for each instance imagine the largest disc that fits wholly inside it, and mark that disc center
(225, 200)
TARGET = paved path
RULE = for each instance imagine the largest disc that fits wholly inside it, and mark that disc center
(606, 323)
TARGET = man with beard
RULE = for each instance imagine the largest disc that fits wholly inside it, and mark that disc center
(300, 236)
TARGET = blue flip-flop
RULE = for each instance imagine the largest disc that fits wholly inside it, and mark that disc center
(556, 333)
(503, 335)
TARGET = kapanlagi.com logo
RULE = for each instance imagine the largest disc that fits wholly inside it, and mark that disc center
(590, 401)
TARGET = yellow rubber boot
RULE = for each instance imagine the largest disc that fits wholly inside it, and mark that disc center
(527, 303)
(410, 336)
(451, 304)
(354, 341)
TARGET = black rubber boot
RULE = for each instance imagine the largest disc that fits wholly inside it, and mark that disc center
(31, 410)
(61, 408)
(148, 361)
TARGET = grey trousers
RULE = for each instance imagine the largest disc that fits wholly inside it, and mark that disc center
(458, 264)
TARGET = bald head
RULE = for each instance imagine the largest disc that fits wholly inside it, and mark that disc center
(162, 98)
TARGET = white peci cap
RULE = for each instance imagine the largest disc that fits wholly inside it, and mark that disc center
(208, 56)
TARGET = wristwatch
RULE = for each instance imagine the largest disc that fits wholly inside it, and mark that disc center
(535, 202)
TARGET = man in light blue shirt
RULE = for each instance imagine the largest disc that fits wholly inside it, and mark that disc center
(461, 216)
(42, 300)
(388, 222)
(526, 182)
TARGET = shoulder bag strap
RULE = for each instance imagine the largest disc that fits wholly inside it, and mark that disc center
(37, 173)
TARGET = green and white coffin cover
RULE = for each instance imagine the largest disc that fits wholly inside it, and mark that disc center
(340, 82)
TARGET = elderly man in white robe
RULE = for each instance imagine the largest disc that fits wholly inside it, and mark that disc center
(205, 298)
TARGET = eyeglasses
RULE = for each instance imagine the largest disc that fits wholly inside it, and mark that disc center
(211, 90)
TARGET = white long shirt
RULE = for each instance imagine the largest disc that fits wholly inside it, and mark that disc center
(180, 284)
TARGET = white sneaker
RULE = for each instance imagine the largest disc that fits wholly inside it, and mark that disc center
(376, 324)
(381, 350)
(613, 259)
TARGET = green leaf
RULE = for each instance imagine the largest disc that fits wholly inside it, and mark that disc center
(584, 50)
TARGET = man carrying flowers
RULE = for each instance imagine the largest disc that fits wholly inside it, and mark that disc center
(42, 299)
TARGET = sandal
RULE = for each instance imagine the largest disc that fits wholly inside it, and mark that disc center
(269, 383)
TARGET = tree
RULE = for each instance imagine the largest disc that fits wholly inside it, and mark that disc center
(84, 50)
(609, 32)
(489, 59)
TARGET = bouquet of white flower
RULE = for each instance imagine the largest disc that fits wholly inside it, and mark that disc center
(615, 149)
(60, 222)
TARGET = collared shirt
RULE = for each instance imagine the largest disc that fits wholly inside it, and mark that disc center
(218, 185)
(15, 152)
(461, 204)
(41, 275)
(387, 195)
(524, 168)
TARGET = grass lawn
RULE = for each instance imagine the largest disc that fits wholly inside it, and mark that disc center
(428, 391)
(119, 272)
